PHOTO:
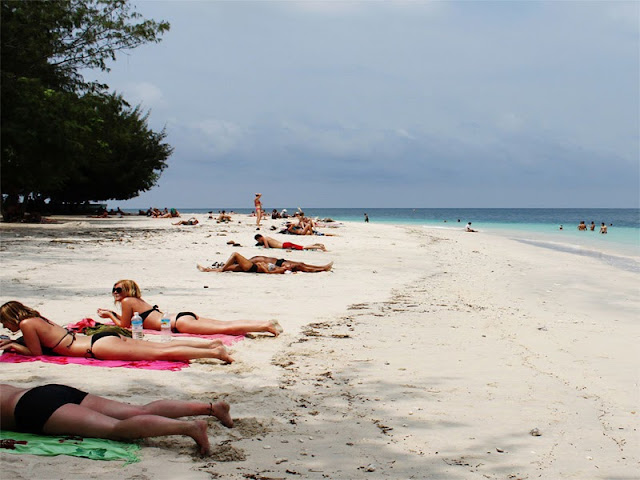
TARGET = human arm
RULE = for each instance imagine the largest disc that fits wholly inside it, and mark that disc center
(30, 344)
(14, 346)
(124, 319)
(110, 314)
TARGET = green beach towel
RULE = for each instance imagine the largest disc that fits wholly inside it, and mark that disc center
(93, 448)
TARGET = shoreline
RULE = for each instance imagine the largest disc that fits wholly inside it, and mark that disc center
(425, 353)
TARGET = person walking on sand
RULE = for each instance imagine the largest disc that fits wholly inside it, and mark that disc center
(268, 242)
(62, 410)
(260, 264)
(258, 206)
(128, 294)
(43, 337)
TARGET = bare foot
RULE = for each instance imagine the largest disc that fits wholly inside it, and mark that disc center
(199, 434)
(220, 410)
(328, 266)
(222, 354)
(208, 269)
(275, 327)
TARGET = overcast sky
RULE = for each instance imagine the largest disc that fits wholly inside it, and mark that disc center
(391, 104)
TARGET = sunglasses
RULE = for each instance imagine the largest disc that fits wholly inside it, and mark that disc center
(116, 290)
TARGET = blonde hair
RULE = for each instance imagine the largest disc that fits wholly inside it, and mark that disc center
(129, 287)
(12, 313)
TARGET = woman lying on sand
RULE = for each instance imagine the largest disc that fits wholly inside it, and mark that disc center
(127, 294)
(260, 264)
(63, 410)
(43, 337)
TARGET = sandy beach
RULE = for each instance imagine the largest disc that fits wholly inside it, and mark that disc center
(424, 353)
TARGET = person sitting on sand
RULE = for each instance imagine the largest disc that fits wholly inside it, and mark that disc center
(43, 337)
(62, 410)
(128, 294)
(269, 242)
(191, 221)
(468, 228)
(260, 264)
(223, 217)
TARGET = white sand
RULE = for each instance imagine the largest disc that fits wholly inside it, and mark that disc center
(424, 354)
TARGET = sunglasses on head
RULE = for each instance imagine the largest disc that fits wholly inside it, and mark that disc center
(116, 290)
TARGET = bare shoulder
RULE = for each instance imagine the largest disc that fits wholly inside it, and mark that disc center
(31, 322)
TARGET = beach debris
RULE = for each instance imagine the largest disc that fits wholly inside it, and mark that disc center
(535, 432)
(281, 460)
(499, 450)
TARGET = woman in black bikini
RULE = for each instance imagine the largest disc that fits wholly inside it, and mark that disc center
(127, 294)
(43, 337)
(63, 410)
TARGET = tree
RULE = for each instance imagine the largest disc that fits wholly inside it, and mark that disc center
(60, 134)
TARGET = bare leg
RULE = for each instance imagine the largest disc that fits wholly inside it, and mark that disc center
(164, 408)
(303, 267)
(316, 246)
(119, 348)
(72, 419)
(210, 326)
(237, 259)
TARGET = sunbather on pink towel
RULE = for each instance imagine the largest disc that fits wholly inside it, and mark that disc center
(41, 336)
(127, 293)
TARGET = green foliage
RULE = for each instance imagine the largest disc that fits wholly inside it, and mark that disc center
(64, 138)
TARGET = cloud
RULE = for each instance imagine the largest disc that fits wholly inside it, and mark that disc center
(146, 93)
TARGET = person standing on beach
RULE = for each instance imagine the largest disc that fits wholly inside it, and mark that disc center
(366, 218)
(258, 206)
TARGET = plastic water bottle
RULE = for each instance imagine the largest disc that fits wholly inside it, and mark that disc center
(136, 327)
(165, 328)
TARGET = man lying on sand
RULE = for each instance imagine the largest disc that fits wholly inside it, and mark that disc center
(260, 264)
(63, 410)
(269, 242)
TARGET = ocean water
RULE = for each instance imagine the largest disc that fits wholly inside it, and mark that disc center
(535, 226)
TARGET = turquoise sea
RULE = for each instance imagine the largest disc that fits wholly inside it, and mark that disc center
(536, 226)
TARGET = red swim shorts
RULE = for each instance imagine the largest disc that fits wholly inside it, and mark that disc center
(292, 246)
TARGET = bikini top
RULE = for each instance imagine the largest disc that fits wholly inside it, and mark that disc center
(49, 350)
(144, 315)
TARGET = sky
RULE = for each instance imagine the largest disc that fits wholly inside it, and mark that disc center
(390, 103)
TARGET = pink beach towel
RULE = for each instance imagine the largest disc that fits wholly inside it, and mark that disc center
(8, 357)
